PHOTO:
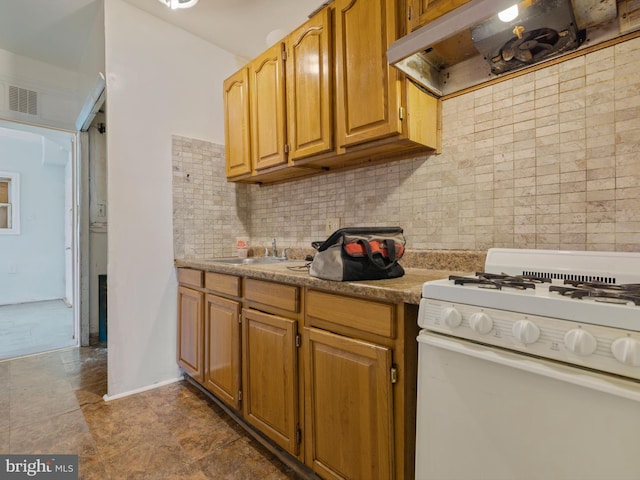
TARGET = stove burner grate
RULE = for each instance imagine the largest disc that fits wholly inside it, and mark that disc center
(624, 287)
(619, 294)
(514, 278)
(495, 281)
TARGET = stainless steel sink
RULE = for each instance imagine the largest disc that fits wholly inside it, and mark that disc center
(248, 261)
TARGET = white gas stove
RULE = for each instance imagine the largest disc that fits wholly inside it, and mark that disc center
(531, 369)
(577, 307)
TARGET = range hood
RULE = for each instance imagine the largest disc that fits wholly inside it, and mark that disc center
(475, 42)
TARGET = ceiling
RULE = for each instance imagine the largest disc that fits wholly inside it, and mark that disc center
(238, 26)
(51, 31)
(55, 31)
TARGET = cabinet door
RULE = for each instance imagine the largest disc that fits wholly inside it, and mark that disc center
(190, 332)
(368, 91)
(420, 12)
(222, 349)
(270, 376)
(349, 408)
(237, 124)
(268, 109)
(309, 69)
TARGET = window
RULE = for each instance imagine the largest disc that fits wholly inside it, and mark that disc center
(9, 203)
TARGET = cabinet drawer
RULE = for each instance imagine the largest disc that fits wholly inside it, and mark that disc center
(225, 284)
(365, 315)
(284, 297)
(191, 277)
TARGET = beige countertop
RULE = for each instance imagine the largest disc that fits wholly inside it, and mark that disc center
(406, 289)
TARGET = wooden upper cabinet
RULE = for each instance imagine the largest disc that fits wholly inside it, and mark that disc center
(268, 129)
(309, 74)
(325, 98)
(368, 91)
(420, 12)
(237, 125)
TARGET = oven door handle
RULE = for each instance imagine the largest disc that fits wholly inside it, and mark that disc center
(585, 378)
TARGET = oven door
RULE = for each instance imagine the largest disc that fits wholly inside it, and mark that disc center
(486, 413)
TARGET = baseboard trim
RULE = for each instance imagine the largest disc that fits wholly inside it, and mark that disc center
(108, 398)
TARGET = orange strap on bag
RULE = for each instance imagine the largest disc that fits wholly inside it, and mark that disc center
(358, 249)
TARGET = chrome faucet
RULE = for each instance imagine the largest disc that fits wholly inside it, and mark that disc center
(274, 249)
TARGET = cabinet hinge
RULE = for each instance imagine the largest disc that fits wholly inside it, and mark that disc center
(394, 374)
(298, 436)
(284, 52)
(401, 113)
(286, 148)
(409, 11)
(239, 395)
(239, 318)
(298, 340)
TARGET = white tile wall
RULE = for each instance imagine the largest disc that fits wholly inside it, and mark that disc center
(208, 212)
(550, 159)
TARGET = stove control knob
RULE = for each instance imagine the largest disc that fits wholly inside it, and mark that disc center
(451, 317)
(627, 351)
(580, 342)
(481, 323)
(526, 331)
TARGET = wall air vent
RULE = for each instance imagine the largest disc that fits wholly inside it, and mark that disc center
(23, 100)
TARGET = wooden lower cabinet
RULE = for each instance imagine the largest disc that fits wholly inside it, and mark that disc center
(344, 406)
(270, 377)
(222, 349)
(190, 332)
(349, 407)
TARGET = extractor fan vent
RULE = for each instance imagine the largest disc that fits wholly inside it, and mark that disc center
(23, 100)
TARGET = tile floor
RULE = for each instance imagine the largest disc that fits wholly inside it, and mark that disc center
(28, 328)
(52, 403)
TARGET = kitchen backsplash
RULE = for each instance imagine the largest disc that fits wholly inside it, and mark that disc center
(550, 159)
(208, 212)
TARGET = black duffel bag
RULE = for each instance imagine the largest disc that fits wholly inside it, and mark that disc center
(359, 253)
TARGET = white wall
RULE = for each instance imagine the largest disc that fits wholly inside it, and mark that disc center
(37, 253)
(161, 81)
(93, 60)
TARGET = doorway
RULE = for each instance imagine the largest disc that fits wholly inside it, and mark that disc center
(38, 244)
(96, 168)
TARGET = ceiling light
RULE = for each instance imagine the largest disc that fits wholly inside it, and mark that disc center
(173, 4)
(509, 14)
